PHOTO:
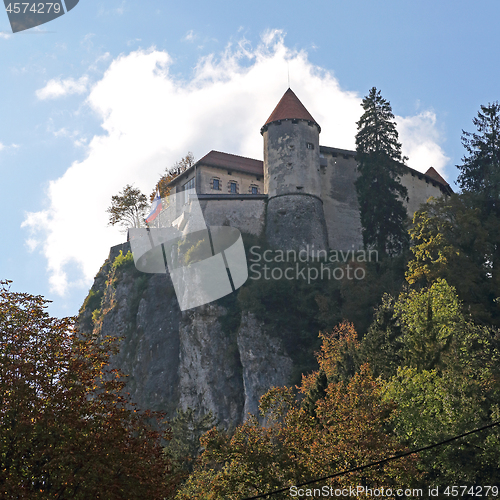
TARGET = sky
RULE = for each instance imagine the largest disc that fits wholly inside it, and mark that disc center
(116, 91)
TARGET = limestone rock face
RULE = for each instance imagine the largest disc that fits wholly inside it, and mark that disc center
(209, 366)
(177, 359)
(263, 361)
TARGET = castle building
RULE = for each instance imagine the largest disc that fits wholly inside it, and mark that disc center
(301, 194)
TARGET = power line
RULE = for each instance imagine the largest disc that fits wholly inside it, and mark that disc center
(373, 464)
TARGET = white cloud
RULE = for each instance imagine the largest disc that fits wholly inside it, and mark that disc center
(4, 35)
(32, 244)
(190, 36)
(4, 147)
(59, 88)
(151, 119)
(420, 138)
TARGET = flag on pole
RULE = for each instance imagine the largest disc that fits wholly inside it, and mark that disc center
(155, 208)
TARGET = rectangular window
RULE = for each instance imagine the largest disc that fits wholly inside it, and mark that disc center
(309, 145)
(216, 184)
(255, 190)
(188, 189)
(232, 188)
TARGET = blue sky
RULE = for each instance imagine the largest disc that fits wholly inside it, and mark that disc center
(115, 91)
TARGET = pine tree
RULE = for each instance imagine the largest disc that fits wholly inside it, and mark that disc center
(380, 165)
(480, 171)
(480, 176)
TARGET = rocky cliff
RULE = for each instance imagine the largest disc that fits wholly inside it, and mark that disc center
(215, 357)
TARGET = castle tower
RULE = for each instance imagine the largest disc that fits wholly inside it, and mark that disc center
(295, 217)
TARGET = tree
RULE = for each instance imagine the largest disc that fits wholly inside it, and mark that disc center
(184, 447)
(380, 165)
(346, 428)
(455, 240)
(447, 384)
(128, 208)
(480, 171)
(66, 429)
(170, 174)
(382, 346)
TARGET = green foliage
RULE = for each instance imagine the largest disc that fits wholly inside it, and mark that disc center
(295, 310)
(96, 315)
(360, 298)
(93, 300)
(434, 406)
(184, 446)
(66, 428)
(382, 347)
(380, 164)
(123, 260)
(430, 321)
(128, 208)
(480, 171)
(315, 393)
(347, 429)
(448, 382)
(453, 239)
(191, 249)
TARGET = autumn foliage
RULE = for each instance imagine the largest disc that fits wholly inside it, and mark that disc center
(292, 446)
(67, 431)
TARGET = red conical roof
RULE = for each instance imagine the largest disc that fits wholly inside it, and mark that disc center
(290, 108)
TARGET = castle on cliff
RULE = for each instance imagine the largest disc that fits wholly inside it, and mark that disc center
(301, 194)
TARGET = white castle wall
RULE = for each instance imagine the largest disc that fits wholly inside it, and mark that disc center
(420, 189)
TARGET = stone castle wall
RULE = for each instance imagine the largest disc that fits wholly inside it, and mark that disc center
(338, 172)
(420, 189)
(340, 202)
(296, 222)
(246, 213)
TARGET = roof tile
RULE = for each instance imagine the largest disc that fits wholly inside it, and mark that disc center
(232, 162)
(433, 174)
(290, 108)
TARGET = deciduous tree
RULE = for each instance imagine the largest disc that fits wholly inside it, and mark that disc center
(128, 208)
(346, 430)
(455, 240)
(66, 429)
(170, 174)
(448, 383)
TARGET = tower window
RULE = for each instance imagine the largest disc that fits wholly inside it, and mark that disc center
(309, 145)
